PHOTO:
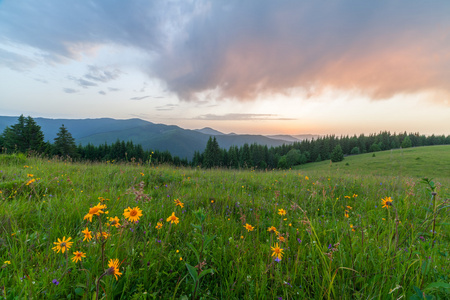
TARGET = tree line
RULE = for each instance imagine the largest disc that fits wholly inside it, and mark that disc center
(27, 137)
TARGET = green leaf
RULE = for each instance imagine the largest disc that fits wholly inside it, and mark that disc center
(436, 285)
(204, 272)
(195, 251)
(79, 291)
(209, 239)
(197, 226)
(192, 271)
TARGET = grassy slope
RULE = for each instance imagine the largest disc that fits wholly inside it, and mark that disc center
(366, 265)
(431, 162)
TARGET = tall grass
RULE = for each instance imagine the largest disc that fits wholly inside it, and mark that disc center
(374, 253)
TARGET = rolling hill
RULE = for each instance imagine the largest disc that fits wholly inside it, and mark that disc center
(178, 141)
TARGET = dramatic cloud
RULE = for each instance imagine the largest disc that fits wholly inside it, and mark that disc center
(247, 49)
(240, 117)
(250, 48)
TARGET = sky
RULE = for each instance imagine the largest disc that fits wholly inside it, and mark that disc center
(339, 67)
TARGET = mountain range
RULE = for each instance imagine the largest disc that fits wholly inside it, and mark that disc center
(178, 141)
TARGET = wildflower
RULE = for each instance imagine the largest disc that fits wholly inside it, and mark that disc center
(349, 207)
(7, 262)
(30, 175)
(277, 251)
(346, 214)
(281, 239)
(181, 258)
(115, 222)
(113, 265)
(249, 227)
(173, 219)
(281, 212)
(272, 229)
(55, 282)
(62, 245)
(94, 211)
(132, 214)
(351, 226)
(78, 255)
(30, 181)
(159, 225)
(306, 178)
(386, 202)
(103, 235)
(87, 234)
(178, 203)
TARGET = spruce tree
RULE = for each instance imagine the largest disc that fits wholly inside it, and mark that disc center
(337, 154)
(64, 143)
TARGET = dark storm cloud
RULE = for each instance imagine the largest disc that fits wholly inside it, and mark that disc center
(240, 117)
(245, 49)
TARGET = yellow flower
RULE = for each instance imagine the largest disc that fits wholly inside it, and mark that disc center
(386, 202)
(351, 226)
(115, 222)
(94, 211)
(178, 203)
(132, 214)
(87, 234)
(105, 235)
(249, 227)
(31, 181)
(306, 177)
(181, 258)
(277, 251)
(346, 213)
(173, 219)
(30, 175)
(349, 207)
(113, 265)
(78, 255)
(272, 229)
(281, 212)
(281, 239)
(7, 262)
(159, 225)
(62, 245)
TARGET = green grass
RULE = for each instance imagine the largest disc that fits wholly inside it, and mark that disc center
(419, 162)
(390, 254)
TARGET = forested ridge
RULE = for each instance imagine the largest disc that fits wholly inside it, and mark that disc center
(26, 137)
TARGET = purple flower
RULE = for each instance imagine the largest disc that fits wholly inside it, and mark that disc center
(55, 282)
(330, 246)
(299, 240)
(277, 259)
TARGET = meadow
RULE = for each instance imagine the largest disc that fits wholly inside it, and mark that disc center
(365, 228)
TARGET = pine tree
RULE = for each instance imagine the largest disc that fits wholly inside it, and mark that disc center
(65, 143)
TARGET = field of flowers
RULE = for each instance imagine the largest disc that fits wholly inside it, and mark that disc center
(131, 231)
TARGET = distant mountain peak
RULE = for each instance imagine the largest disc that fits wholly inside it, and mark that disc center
(209, 131)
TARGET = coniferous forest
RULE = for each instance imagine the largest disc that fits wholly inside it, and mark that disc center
(26, 136)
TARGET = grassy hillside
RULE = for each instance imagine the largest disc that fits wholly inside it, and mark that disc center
(317, 233)
(430, 161)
